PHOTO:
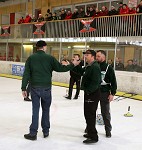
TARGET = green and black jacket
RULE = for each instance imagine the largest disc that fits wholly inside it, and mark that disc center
(109, 78)
(91, 79)
(39, 68)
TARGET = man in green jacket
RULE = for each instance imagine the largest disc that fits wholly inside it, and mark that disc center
(108, 89)
(91, 85)
(38, 71)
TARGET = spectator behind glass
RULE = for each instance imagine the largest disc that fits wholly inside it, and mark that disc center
(113, 11)
(130, 66)
(118, 64)
(21, 20)
(104, 11)
(81, 13)
(27, 19)
(110, 62)
(75, 14)
(17, 58)
(137, 68)
(139, 7)
(40, 18)
(69, 15)
(63, 14)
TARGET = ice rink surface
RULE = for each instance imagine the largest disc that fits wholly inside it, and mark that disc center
(67, 122)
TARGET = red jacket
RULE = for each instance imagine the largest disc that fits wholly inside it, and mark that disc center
(21, 21)
(104, 13)
(97, 14)
(68, 16)
(124, 11)
(27, 19)
(132, 11)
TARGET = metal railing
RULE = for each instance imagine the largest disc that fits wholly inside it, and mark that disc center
(108, 26)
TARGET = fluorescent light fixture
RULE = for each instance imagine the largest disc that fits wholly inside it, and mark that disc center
(28, 46)
(81, 46)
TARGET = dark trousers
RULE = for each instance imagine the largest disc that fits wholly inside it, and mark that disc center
(105, 110)
(71, 84)
(42, 95)
(90, 107)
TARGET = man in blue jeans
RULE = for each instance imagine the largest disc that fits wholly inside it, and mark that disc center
(38, 71)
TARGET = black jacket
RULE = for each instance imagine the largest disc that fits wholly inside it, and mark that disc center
(109, 78)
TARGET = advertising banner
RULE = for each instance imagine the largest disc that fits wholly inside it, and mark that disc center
(17, 70)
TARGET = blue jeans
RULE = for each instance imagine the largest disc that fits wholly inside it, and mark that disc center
(43, 95)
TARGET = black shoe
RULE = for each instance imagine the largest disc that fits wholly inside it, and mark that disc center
(108, 134)
(27, 99)
(90, 141)
(46, 135)
(68, 97)
(86, 135)
(75, 97)
(85, 131)
(30, 137)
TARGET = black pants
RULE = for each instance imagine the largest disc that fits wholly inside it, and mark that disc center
(105, 110)
(90, 107)
(71, 84)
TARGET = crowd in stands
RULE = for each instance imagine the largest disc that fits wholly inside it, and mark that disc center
(132, 65)
(10, 57)
(92, 11)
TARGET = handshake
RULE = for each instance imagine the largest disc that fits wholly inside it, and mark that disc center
(74, 61)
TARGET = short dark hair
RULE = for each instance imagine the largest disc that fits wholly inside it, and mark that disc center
(102, 52)
(40, 44)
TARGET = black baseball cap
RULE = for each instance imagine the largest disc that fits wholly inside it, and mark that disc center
(90, 51)
(41, 43)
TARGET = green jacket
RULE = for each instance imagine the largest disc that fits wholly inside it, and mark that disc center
(109, 78)
(39, 68)
(91, 78)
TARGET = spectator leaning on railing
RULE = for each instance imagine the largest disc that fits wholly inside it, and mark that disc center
(104, 11)
(69, 15)
(97, 12)
(54, 16)
(33, 19)
(21, 20)
(81, 13)
(139, 7)
(40, 18)
(75, 14)
(63, 14)
(113, 11)
(27, 19)
(120, 6)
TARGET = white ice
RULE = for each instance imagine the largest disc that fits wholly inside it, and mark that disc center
(67, 123)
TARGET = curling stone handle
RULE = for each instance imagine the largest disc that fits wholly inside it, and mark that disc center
(129, 108)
